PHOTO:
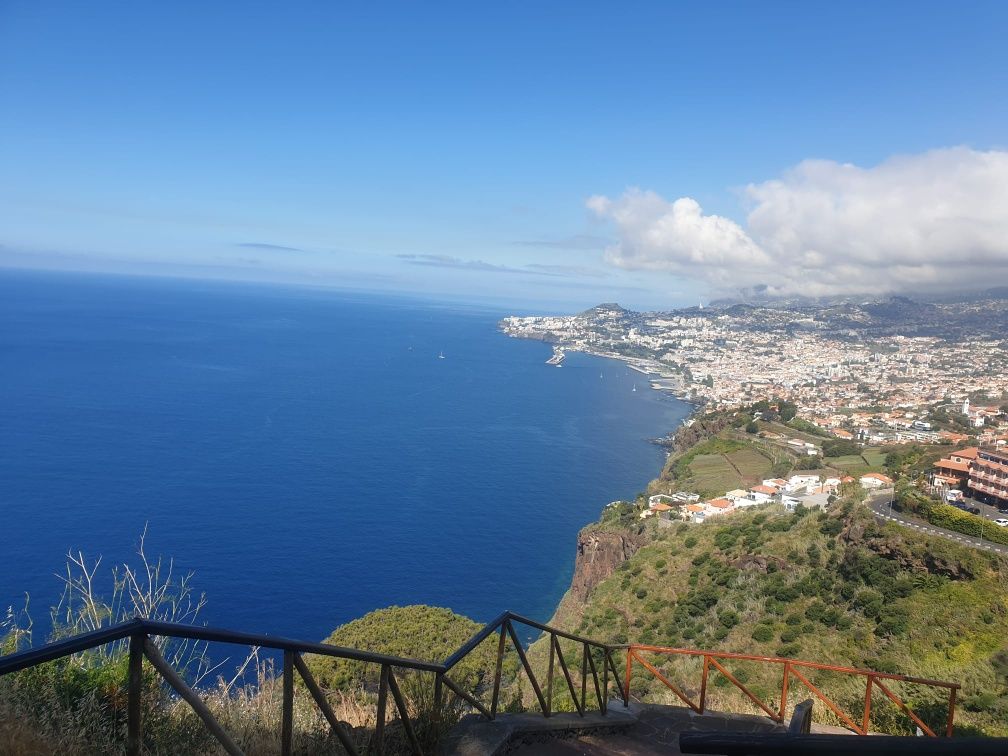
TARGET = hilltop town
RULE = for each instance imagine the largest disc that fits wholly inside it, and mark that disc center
(881, 372)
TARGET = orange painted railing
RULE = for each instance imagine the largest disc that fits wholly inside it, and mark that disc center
(790, 668)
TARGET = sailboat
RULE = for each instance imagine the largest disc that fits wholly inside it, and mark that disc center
(635, 387)
(440, 355)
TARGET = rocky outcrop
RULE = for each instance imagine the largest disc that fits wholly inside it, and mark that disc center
(758, 563)
(599, 553)
(936, 564)
(903, 554)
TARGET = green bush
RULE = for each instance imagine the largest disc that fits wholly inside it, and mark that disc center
(762, 633)
(413, 632)
(728, 618)
(952, 518)
(788, 649)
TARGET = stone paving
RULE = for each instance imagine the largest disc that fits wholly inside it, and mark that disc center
(640, 730)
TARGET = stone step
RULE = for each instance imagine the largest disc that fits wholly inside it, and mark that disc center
(637, 730)
(475, 736)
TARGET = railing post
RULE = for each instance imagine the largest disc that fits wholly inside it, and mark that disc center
(134, 688)
(703, 684)
(784, 690)
(866, 719)
(605, 681)
(951, 716)
(626, 684)
(549, 677)
(379, 731)
(438, 694)
(287, 707)
(584, 676)
(497, 674)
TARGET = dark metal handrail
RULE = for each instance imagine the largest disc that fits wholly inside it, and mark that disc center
(139, 632)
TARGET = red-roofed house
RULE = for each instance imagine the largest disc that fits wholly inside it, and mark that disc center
(875, 480)
(718, 507)
(761, 493)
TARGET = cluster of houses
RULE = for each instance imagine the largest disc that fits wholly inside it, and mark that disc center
(905, 426)
(806, 489)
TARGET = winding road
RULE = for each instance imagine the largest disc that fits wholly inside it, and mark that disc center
(879, 505)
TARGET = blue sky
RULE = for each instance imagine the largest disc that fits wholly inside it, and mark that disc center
(453, 149)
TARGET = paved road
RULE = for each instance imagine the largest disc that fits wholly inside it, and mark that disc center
(879, 504)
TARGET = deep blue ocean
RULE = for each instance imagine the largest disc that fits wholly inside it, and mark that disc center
(305, 452)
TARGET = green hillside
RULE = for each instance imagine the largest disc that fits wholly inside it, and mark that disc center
(837, 588)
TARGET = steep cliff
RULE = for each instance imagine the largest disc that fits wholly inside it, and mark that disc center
(600, 551)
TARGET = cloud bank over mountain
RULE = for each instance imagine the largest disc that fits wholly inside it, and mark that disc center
(936, 220)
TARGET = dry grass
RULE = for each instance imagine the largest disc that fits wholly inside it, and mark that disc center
(36, 720)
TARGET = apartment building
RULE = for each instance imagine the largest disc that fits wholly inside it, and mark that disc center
(988, 476)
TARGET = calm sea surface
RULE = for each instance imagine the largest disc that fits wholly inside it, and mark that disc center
(305, 453)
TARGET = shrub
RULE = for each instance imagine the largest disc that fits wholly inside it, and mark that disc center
(832, 526)
(728, 618)
(762, 633)
(788, 649)
(953, 518)
(413, 632)
(690, 541)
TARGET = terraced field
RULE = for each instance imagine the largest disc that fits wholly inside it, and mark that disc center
(753, 465)
(713, 474)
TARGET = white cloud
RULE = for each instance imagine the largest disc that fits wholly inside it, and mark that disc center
(930, 221)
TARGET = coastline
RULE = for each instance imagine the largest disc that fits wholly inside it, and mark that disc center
(660, 378)
(604, 553)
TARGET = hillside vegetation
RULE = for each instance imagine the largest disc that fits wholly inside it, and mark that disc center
(837, 588)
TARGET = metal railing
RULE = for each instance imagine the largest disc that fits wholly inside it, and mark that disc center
(790, 668)
(140, 632)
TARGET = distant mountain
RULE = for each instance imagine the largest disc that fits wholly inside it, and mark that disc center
(606, 309)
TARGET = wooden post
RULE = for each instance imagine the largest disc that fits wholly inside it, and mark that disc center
(951, 716)
(626, 684)
(134, 686)
(287, 706)
(784, 690)
(549, 676)
(867, 705)
(605, 681)
(379, 730)
(703, 684)
(438, 695)
(497, 674)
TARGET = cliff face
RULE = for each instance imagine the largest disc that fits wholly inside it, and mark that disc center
(599, 553)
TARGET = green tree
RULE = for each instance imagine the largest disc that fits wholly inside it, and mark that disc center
(428, 633)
